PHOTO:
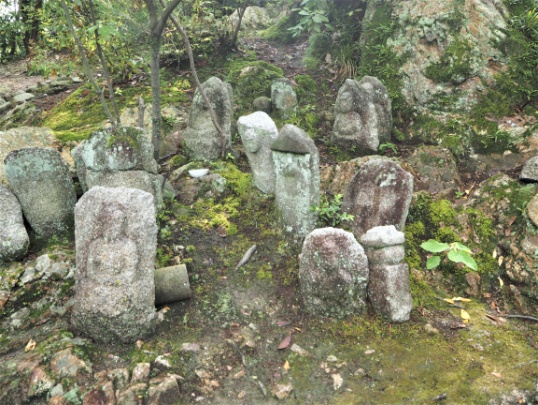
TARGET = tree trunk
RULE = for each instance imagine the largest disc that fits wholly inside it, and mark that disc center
(155, 94)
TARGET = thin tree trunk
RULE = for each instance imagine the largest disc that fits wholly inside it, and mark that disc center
(240, 14)
(105, 66)
(85, 63)
(157, 24)
(212, 113)
(155, 95)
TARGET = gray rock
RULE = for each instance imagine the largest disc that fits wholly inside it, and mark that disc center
(139, 179)
(363, 116)
(14, 239)
(254, 18)
(164, 390)
(22, 137)
(262, 103)
(436, 168)
(388, 289)
(172, 284)
(4, 106)
(383, 236)
(296, 161)
(532, 209)
(283, 98)
(116, 238)
(41, 181)
(379, 194)
(125, 149)
(201, 137)
(530, 170)
(333, 273)
(258, 132)
(21, 98)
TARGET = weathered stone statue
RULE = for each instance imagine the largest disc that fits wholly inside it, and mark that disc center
(41, 181)
(14, 239)
(379, 194)
(116, 239)
(119, 158)
(201, 137)
(388, 289)
(258, 132)
(333, 273)
(283, 98)
(363, 116)
(296, 160)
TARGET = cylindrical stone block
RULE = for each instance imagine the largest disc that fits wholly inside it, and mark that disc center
(172, 284)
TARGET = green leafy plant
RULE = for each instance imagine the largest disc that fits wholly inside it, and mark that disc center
(313, 16)
(329, 212)
(455, 252)
(384, 147)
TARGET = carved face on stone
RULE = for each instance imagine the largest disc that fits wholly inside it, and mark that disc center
(114, 219)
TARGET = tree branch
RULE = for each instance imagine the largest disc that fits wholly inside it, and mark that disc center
(85, 63)
(212, 113)
(161, 23)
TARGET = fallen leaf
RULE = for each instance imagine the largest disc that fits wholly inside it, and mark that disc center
(283, 323)
(460, 299)
(512, 220)
(507, 232)
(498, 375)
(285, 343)
(30, 346)
(501, 282)
(367, 352)
(450, 301)
(286, 365)
(139, 343)
(494, 254)
(500, 260)
(465, 316)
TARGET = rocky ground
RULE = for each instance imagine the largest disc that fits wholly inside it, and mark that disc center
(243, 337)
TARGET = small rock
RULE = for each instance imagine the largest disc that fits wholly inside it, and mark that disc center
(430, 329)
(360, 372)
(162, 361)
(165, 393)
(532, 210)
(473, 281)
(190, 347)
(337, 381)
(66, 364)
(40, 382)
(141, 373)
(299, 350)
(282, 391)
(21, 98)
(332, 359)
(368, 352)
(518, 299)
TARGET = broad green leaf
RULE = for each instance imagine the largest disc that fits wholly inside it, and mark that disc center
(434, 246)
(462, 257)
(304, 12)
(433, 262)
(459, 246)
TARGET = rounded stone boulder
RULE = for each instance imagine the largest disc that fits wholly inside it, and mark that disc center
(333, 273)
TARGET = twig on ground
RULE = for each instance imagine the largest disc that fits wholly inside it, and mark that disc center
(528, 318)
